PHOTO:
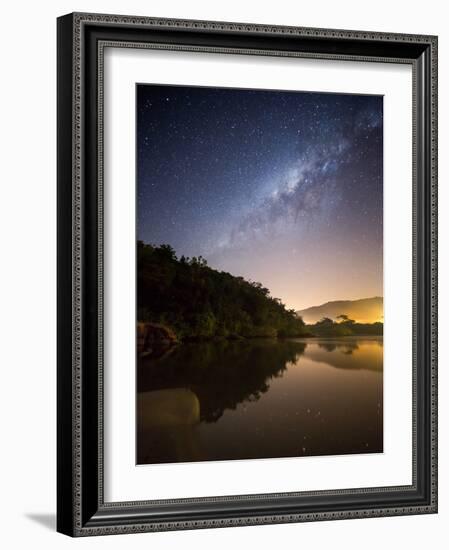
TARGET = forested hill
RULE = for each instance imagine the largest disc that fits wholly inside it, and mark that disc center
(198, 302)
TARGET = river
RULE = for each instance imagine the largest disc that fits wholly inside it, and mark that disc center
(261, 399)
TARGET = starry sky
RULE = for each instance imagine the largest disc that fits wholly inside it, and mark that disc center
(284, 188)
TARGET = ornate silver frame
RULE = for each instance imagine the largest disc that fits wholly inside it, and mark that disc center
(81, 42)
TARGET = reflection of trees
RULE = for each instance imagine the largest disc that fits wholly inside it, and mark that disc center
(328, 347)
(364, 354)
(222, 374)
(347, 347)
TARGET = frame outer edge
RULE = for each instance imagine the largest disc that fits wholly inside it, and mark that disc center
(74, 527)
(259, 28)
(65, 270)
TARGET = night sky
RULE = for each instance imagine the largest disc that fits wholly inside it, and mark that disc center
(284, 188)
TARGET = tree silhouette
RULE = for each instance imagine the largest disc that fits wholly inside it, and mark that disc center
(199, 302)
(345, 319)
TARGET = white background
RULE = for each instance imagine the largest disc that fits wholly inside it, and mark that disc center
(123, 481)
(27, 229)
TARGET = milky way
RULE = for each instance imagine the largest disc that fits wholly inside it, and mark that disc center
(284, 188)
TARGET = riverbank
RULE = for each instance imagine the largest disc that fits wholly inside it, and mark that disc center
(156, 340)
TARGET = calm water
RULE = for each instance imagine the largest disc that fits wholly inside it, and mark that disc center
(261, 399)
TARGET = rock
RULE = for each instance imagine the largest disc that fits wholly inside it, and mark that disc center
(152, 336)
(166, 422)
(169, 407)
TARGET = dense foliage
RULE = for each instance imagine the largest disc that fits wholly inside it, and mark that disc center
(198, 302)
(343, 326)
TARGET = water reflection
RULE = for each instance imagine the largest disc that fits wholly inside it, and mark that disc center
(351, 354)
(259, 399)
(222, 374)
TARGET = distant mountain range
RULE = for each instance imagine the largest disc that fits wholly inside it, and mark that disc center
(366, 310)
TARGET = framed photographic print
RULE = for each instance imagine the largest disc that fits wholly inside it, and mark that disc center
(247, 288)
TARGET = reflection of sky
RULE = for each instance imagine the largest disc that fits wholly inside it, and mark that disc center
(284, 188)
